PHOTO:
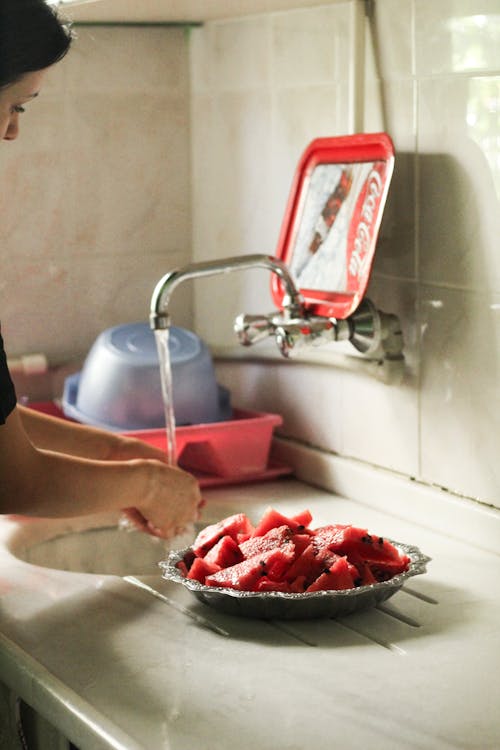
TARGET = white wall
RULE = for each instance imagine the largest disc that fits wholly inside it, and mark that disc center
(263, 87)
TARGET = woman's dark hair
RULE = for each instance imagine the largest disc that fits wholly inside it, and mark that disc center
(32, 37)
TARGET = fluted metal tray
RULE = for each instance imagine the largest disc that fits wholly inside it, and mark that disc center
(278, 605)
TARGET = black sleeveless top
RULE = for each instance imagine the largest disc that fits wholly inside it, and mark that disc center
(7, 391)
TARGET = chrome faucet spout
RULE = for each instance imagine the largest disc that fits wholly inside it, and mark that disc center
(159, 318)
(372, 332)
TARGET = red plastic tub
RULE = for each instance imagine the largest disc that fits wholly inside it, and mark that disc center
(234, 448)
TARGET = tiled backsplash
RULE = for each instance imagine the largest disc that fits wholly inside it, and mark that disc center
(263, 87)
(97, 204)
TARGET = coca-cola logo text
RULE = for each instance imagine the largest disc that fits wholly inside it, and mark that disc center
(364, 231)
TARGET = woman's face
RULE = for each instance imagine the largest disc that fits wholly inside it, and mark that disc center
(12, 101)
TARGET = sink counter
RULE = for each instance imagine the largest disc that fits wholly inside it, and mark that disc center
(114, 667)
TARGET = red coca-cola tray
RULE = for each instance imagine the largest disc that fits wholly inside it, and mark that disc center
(332, 219)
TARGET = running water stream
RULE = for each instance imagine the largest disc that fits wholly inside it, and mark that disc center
(162, 339)
(162, 344)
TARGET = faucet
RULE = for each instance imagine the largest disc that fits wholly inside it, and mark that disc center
(372, 332)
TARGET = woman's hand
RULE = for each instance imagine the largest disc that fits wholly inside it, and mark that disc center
(170, 502)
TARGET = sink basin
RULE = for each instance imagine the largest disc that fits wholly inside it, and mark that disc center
(96, 546)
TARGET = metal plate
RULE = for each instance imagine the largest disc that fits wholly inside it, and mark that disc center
(277, 605)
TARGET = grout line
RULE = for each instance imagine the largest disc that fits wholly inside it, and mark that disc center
(418, 595)
(288, 631)
(179, 607)
(388, 645)
(398, 616)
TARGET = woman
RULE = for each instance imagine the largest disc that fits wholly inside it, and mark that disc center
(48, 467)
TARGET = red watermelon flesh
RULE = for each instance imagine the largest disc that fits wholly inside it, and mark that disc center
(383, 571)
(303, 519)
(245, 575)
(200, 569)
(351, 539)
(272, 519)
(301, 541)
(365, 576)
(310, 564)
(265, 584)
(230, 526)
(299, 585)
(283, 554)
(273, 538)
(337, 577)
(225, 553)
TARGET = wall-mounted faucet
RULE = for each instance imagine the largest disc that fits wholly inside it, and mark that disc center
(373, 333)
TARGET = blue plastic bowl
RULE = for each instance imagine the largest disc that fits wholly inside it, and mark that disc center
(119, 386)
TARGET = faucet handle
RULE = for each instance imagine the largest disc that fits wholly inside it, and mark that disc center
(253, 328)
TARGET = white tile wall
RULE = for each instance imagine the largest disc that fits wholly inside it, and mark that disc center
(267, 86)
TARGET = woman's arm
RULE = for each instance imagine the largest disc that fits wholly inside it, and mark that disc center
(51, 433)
(39, 482)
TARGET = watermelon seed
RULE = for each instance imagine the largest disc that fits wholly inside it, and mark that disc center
(301, 527)
(367, 539)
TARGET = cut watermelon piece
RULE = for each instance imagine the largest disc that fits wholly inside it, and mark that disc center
(338, 577)
(351, 539)
(272, 519)
(272, 539)
(299, 585)
(225, 553)
(181, 565)
(365, 576)
(265, 584)
(230, 526)
(200, 569)
(383, 571)
(244, 575)
(310, 564)
(301, 541)
(303, 519)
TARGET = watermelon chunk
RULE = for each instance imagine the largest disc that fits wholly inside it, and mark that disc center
(244, 575)
(265, 584)
(200, 569)
(299, 585)
(181, 565)
(310, 564)
(225, 553)
(383, 571)
(351, 539)
(365, 576)
(272, 539)
(272, 519)
(303, 519)
(337, 577)
(301, 541)
(230, 526)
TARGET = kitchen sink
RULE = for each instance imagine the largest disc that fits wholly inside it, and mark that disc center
(98, 545)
